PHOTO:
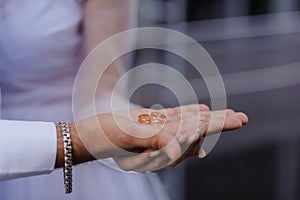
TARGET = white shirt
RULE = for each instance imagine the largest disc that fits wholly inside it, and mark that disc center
(39, 56)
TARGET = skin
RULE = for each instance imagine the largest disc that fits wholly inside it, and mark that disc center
(133, 153)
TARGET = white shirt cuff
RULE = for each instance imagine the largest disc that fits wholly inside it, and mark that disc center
(26, 148)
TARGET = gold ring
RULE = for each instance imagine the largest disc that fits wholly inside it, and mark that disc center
(144, 119)
(152, 118)
(158, 118)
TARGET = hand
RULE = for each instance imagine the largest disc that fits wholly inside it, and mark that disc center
(157, 145)
(186, 135)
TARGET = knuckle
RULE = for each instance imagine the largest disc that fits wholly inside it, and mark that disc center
(230, 111)
(203, 107)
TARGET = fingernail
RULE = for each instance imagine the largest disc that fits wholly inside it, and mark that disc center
(202, 153)
(182, 139)
(154, 154)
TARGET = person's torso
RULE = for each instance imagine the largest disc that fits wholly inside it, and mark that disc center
(40, 52)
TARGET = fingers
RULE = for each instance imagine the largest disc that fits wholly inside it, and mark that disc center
(158, 160)
(195, 108)
(244, 118)
(214, 121)
(169, 144)
(169, 151)
(136, 161)
(203, 107)
(237, 115)
(129, 163)
(234, 120)
(141, 163)
(155, 164)
(187, 108)
(190, 147)
(211, 122)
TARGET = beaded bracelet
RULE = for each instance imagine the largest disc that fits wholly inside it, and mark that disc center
(67, 169)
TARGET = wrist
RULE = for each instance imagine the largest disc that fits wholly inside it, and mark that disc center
(80, 153)
(60, 148)
(99, 136)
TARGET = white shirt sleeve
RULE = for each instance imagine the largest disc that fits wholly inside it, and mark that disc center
(26, 148)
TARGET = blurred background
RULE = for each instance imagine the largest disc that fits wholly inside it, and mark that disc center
(256, 46)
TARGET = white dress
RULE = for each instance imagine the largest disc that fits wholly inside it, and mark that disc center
(40, 46)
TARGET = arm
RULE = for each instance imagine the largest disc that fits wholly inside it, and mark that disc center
(34, 148)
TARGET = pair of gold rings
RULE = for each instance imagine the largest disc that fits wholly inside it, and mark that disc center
(152, 118)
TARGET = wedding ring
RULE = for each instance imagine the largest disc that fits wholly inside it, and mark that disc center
(158, 118)
(144, 119)
(152, 118)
